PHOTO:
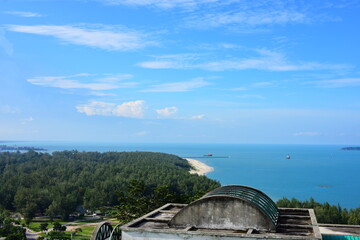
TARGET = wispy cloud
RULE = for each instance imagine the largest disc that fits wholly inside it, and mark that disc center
(309, 134)
(166, 112)
(239, 89)
(178, 86)
(253, 85)
(262, 84)
(85, 81)
(249, 17)
(337, 83)
(24, 14)
(9, 109)
(101, 94)
(27, 120)
(240, 13)
(97, 36)
(5, 44)
(169, 112)
(253, 96)
(200, 116)
(142, 133)
(263, 59)
(166, 4)
(172, 61)
(134, 109)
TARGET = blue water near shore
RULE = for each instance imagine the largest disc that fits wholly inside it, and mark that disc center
(321, 171)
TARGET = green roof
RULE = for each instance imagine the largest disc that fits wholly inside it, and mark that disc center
(256, 197)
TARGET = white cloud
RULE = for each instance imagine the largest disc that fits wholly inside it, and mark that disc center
(200, 116)
(254, 85)
(263, 60)
(310, 134)
(173, 61)
(142, 133)
(97, 36)
(252, 17)
(5, 44)
(337, 83)
(262, 84)
(161, 3)
(95, 82)
(101, 94)
(239, 89)
(134, 109)
(241, 14)
(178, 86)
(269, 61)
(254, 96)
(166, 112)
(162, 65)
(8, 109)
(27, 120)
(24, 14)
(249, 14)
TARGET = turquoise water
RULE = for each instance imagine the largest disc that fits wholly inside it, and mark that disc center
(321, 171)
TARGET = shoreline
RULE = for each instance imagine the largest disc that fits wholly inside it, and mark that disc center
(200, 168)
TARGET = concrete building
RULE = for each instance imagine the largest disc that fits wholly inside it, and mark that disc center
(229, 212)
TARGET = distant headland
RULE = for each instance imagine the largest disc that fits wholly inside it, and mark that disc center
(350, 148)
(20, 148)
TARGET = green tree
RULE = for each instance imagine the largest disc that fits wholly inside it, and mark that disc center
(12, 232)
(44, 226)
(56, 184)
(325, 213)
(57, 227)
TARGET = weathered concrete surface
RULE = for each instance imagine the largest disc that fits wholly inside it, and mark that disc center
(182, 236)
(222, 213)
(340, 229)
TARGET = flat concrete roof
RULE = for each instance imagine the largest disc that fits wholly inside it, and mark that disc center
(292, 224)
(338, 229)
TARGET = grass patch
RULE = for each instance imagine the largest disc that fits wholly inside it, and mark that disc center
(35, 224)
(84, 235)
(87, 222)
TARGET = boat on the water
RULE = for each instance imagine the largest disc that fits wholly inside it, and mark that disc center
(287, 156)
(208, 155)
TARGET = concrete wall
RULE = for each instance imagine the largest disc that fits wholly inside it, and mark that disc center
(222, 213)
(176, 236)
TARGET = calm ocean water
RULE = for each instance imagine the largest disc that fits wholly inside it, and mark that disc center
(321, 171)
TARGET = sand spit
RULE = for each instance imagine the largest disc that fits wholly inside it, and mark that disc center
(199, 167)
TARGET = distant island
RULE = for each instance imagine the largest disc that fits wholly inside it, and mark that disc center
(20, 148)
(350, 148)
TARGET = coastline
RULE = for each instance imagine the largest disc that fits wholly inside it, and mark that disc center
(200, 168)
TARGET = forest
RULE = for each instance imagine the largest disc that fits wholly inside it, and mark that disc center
(58, 184)
(325, 213)
(132, 183)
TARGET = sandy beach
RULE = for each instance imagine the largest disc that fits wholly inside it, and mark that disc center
(199, 167)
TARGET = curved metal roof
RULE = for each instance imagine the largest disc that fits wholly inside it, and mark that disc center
(258, 198)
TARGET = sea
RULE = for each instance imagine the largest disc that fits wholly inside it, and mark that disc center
(324, 172)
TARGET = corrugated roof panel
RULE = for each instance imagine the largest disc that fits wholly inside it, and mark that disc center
(260, 199)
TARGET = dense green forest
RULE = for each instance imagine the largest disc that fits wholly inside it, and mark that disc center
(132, 182)
(325, 213)
(56, 184)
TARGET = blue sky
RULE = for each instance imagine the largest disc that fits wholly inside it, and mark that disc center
(210, 71)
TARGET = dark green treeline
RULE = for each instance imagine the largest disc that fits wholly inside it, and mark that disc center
(325, 213)
(56, 184)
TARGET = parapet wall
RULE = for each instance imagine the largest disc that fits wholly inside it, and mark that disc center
(222, 212)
